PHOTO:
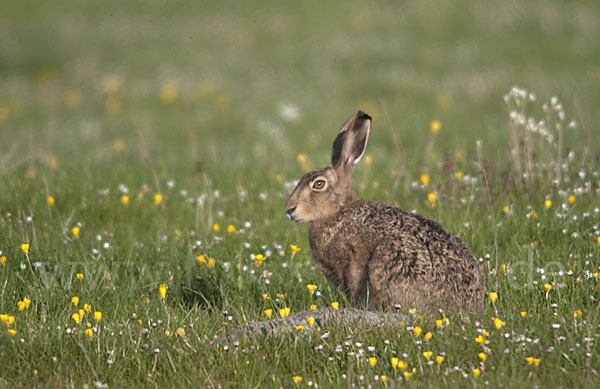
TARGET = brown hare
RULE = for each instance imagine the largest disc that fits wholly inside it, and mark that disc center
(375, 253)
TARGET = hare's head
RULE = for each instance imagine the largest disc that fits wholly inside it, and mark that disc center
(323, 192)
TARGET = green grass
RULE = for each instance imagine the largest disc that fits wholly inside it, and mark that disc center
(101, 98)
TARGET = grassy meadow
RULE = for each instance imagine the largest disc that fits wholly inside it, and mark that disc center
(147, 149)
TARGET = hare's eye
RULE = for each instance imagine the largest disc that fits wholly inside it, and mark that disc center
(318, 184)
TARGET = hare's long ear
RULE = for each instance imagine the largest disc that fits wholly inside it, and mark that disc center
(350, 144)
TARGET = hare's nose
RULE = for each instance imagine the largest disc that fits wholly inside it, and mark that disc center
(289, 212)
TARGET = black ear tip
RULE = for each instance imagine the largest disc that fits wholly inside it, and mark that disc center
(363, 115)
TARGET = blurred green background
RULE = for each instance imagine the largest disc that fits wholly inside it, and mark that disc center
(246, 86)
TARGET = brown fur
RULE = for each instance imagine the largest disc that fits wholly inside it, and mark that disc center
(375, 253)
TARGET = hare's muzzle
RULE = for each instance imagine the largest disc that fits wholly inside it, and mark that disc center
(290, 213)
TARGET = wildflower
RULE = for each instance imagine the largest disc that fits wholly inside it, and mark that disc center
(417, 331)
(25, 247)
(297, 379)
(335, 305)
(3, 259)
(458, 175)
(534, 214)
(21, 305)
(284, 312)
(180, 331)
(310, 320)
(435, 126)
(571, 199)
(81, 313)
(124, 199)
(162, 290)
(294, 248)
(4, 318)
(201, 259)
(265, 296)
(76, 318)
(407, 374)
(547, 204)
(439, 359)
(12, 332)
(231, 228)
(482, 356)
(311, 288)
(547, 287)
(523, 313)
(480, 339)
(26, 302)
(533, 361)
(431, 197)
(598, 239)
(476, 372)
(268, 312)
(424, 179)
(168, 92)
(313, 306)
(89, 332)
(80, 276)
(498, 323)
(301, 158)
(299, 328)
(75, 231)
(167, 333)
(158, 199)
(577, 313)
(493, 296)
(427, 354)
(427, 335)
(280, 295)
(97, 315)
(87, 308)
(441, 323)
(211, 262)
(10, 319)
(372, 361)
(259, 258)
(51, 200)
(75, 300)
(394, 361)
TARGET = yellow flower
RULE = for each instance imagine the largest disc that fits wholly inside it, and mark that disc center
(547, 287)
(162, 290)
(266, 296)
(295, 248)
(80, 276)
(335, 305)
(506, 209)
(21, 305)
(180, 331)
(439, 359)
(125, 199)
(498, 323)
(534, 214)
(311, 288)
(368, 159)
(10, 319)
(75, 300)
(97, 315)
(168, 92)
(216, 227)
(458, 175)
(577, 313)
(417, 331)
(167, 333)
(201, 258)
(441, 323)
(89, 332)
(268, 312)
(26, 302)
(87, 308)
(482, 356)
(427, 335)
(284, 312)
(259, 258)
(533, 361)
(4, 318)
(310, 321)
(523, 313)
(425, 179)
(76, 318)
(81, 313)
(3, 259)
(211, 262)
(75, 231)
(299, 328)
(547, 204)
(51, 200)
(432, 197)
(231, 228)
(480, 339)
(372, 361)
(12, 332)
(427, 354)
(485, 332)
(435, 126)
(158, 199)
(571, 199)
(280, 295)
(25, 247)
(301, 158)
(383, 378)
(394, 361)
(476, 372)
(313, 306)
(503, 267)
(493, 296)
(407, 374)
(297, 379)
